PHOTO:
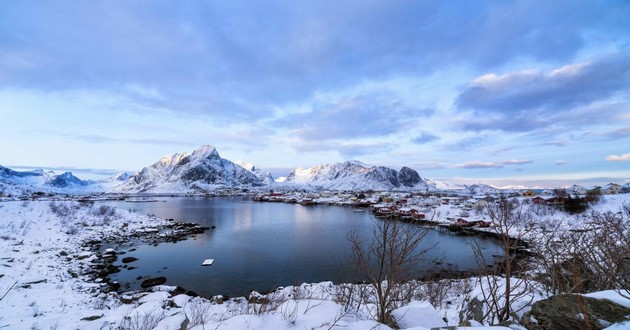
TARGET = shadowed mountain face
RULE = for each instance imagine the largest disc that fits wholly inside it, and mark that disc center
(66, 180)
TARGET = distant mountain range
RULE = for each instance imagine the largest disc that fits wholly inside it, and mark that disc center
(354, 175)
(204, 170)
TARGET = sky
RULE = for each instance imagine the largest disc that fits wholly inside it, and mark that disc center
(499, 92)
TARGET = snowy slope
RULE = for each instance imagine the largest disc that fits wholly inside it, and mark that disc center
(354, 175)
(199, 171)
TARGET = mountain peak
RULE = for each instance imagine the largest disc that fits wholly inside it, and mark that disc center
(206, 151)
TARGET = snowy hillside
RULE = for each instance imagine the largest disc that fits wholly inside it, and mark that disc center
(354, 175)
(199, 171)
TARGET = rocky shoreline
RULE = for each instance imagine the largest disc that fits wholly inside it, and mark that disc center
(104, 259)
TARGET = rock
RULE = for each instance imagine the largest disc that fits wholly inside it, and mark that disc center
(566, 312)
(92, 318)
(153, 282)
(114, 286)
(127, 260)
(63, 253)
(218, 299)
(110, 269)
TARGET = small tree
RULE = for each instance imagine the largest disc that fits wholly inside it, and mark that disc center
(386, 261)
(511, 223)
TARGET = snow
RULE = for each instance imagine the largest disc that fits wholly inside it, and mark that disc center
(611, 295)
(41, 246)
(418, 314)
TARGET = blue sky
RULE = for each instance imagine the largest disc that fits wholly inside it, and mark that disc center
(532, 92)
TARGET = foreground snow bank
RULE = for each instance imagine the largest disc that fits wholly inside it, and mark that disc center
(44, 281)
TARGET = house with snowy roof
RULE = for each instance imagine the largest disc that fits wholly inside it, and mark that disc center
(611, 189)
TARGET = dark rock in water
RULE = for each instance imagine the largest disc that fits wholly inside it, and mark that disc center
(568, 312)
(115, 286)
(110, 269)
(139, 278)
(153, 282)
(127, 260)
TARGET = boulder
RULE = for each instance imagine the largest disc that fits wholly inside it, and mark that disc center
(569, 311)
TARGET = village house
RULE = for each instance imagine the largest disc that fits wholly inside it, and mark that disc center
(576, 190)
(528, 193)
(611, 189)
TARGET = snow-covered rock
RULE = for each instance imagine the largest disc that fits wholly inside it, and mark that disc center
(418, 314)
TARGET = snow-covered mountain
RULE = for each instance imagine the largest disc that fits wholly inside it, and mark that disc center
(264, 176)
(354, 175)
(26, 182)
(199, 171)
(66, 180)
(442, 185)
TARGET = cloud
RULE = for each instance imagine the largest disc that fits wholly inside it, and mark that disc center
(232, 59)
(563, 88)
(574, 95)
(95, 138)
(424, 138)
(617, 133)
(618, 158)
(479, 164)
(346, 150)
(554, 143)
(350, 117)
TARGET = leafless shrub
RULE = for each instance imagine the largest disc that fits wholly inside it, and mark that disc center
(62, 210)
(104, 210)
(196, 311)
(145, 320)
(386, 262)
(604, 248)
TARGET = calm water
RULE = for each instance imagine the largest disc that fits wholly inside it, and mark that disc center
(260, 246)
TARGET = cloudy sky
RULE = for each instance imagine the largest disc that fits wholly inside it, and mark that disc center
(467, 91)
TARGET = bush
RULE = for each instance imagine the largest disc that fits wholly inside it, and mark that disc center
(575, 205)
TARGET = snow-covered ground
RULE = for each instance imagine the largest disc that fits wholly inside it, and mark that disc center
(45, 282)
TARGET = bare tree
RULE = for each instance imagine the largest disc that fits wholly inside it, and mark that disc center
(387, 261)
(604, 248)
(511, 222)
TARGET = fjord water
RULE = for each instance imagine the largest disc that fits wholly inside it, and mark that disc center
(260, 246)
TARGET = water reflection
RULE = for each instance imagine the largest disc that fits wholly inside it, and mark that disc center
(263, 245)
